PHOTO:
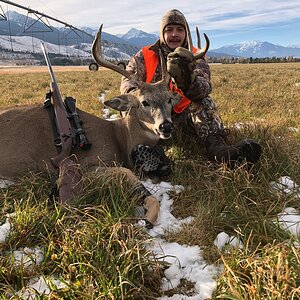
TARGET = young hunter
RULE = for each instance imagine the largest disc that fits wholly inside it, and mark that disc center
(196, 111)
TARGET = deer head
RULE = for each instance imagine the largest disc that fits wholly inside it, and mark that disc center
(151, 103)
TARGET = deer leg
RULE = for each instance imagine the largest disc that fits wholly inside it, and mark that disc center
(150, 202)
(70, 179)
(152, 210)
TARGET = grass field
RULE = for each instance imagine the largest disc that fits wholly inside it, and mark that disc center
(93, 244)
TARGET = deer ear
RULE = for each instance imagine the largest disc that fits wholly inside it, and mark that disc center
(122, 102)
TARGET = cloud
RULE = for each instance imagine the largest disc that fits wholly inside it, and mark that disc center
(227, 21)
(119, 16)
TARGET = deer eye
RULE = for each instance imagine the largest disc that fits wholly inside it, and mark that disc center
(145, 103)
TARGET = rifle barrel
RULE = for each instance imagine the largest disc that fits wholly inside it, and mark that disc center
(48, 62)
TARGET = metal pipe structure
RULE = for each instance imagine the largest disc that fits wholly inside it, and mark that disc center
(46, 16)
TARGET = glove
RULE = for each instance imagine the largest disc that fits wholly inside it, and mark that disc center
(151, 161)
(181, 65)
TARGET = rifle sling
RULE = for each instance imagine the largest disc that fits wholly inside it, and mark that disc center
(77, 131)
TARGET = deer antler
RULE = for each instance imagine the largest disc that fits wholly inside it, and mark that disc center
(201, 51)
(189, 37)
(165, 76)
(198, 38)
(97, 54)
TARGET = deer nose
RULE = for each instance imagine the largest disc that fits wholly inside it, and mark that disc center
(166, 127)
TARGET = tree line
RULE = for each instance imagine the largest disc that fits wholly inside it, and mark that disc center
(251, 60)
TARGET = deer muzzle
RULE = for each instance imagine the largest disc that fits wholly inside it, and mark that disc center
(165, 130)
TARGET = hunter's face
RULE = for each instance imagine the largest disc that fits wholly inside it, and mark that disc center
(174, 36)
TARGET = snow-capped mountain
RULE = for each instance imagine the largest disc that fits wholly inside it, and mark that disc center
(139, 38)
(27, 45)
(15, 36)
(60, 37)
(258, 49)
(294, 46)
(20, 25)
(19, 19)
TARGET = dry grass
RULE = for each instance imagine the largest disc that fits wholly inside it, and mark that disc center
(255, 92)
(29, 86)
(265, 98)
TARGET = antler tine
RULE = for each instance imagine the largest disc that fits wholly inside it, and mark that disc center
(97, 54)
(165, 76)
(189, 37)
(198, 38)
(202, 51)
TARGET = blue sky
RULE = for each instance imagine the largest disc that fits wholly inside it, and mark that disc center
(226, 22)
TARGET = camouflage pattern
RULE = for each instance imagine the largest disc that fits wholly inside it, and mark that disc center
(202, 113)
(151, 161)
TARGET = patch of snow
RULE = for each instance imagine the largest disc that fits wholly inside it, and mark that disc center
(5, 183)
(32, 44)
(28, 257)
(42, 285)
(286, 186)
(223, 239)
(114, 117)
(289, 219)
(4, 231)
(185, 262)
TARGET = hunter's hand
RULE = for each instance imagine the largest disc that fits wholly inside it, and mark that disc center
(181, 66)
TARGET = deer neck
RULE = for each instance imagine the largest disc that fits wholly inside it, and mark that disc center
(131, 132)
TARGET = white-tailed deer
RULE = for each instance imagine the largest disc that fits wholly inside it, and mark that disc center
(27, 139)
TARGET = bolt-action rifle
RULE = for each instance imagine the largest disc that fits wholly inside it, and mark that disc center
(62, 122)
(69, 184)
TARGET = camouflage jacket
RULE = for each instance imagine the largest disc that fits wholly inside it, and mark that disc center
(199, 89)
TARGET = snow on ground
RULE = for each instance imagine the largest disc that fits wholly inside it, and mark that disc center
(223, 239)
(289, 218)
(106, 111)
(27, 257)
(241, 125)
(23, 43)
(185, 262)
(5, 183)
(42, 285)
(29, 45)
(4, 231)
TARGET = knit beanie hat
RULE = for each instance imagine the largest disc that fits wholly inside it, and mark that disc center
(174, 17)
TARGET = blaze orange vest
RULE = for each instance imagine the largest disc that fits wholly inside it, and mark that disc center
(151, 62)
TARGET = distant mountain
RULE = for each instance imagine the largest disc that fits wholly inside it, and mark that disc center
(27, 45)
(105, 36)
(258, 49)
(20, 25)
(212, 53)
(22, 33)
(294, 46)
(139, 38)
